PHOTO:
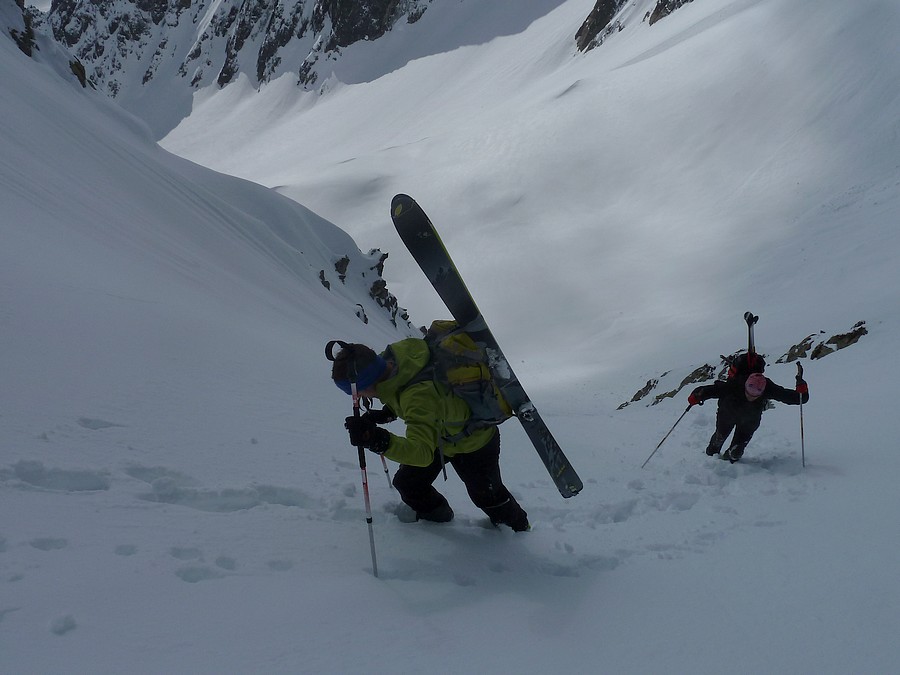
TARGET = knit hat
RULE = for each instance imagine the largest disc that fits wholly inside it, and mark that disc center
(755, 385)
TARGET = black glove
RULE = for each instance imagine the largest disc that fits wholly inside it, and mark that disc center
(363, 432)
(383, 416)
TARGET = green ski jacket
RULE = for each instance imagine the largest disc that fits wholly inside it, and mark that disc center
(429, 410)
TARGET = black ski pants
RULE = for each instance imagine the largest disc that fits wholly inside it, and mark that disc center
(478, 470)
(735, 415)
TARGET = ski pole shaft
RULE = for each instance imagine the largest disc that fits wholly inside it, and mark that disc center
(386, 472)
(365, 482)
(802, 440)
(354, 392)
(665, 437)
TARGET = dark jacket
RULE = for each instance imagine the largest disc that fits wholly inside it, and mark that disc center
(731, 395)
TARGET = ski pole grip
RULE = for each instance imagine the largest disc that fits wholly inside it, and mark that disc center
(799, 369)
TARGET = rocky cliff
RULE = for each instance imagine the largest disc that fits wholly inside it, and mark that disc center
(212, 41)
(152, 55)
(610, 16)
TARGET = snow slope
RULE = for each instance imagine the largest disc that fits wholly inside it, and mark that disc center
(176, 489)
(680, 151)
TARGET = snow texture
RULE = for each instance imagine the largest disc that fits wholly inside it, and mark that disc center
(177, 493)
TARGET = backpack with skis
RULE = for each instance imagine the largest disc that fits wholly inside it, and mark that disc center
(421, 238)
(741, 366)
(461, 366)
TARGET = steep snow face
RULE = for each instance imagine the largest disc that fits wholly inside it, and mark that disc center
(114, 249)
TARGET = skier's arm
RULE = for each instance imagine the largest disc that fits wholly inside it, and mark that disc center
(700, 394)
(420, 404)
(788, 396)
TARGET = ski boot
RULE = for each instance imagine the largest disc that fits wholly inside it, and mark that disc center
(715, 445)
(439, 514)
(509, 513)
(734, 453)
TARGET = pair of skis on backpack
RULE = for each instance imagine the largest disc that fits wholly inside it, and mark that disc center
(421, 238)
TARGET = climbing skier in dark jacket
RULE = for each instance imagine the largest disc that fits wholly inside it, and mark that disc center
(741, 405)
(432, 415)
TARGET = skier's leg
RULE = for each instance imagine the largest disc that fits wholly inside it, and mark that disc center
(724, 424)
(414, 483)
(480, 472)
(742, 435)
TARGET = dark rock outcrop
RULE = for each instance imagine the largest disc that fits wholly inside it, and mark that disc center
(259, 38)
(607, 18)
(664, 8)
(23, 35)
(598, 24)
(811, 347)
(352, 20)
(825, 347)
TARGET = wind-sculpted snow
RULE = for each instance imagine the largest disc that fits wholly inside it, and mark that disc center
(206, 533)
(177, 489)
(220, 522)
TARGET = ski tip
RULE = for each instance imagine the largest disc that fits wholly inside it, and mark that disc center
(401, 203)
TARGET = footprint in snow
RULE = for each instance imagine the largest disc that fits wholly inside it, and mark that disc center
(186, 553)
(4, 612)
(48, 543)
(63, 625)
(149, 474)
(96, 424)
(193, 575)
(35, 474)
(173, 487)
(281, 565)
(226, 563)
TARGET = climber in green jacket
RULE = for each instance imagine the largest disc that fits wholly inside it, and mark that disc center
(432, 415)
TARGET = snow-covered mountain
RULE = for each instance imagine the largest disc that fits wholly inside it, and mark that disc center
(668, 151)
(138, 51)
(142, 53)
(177, 493)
